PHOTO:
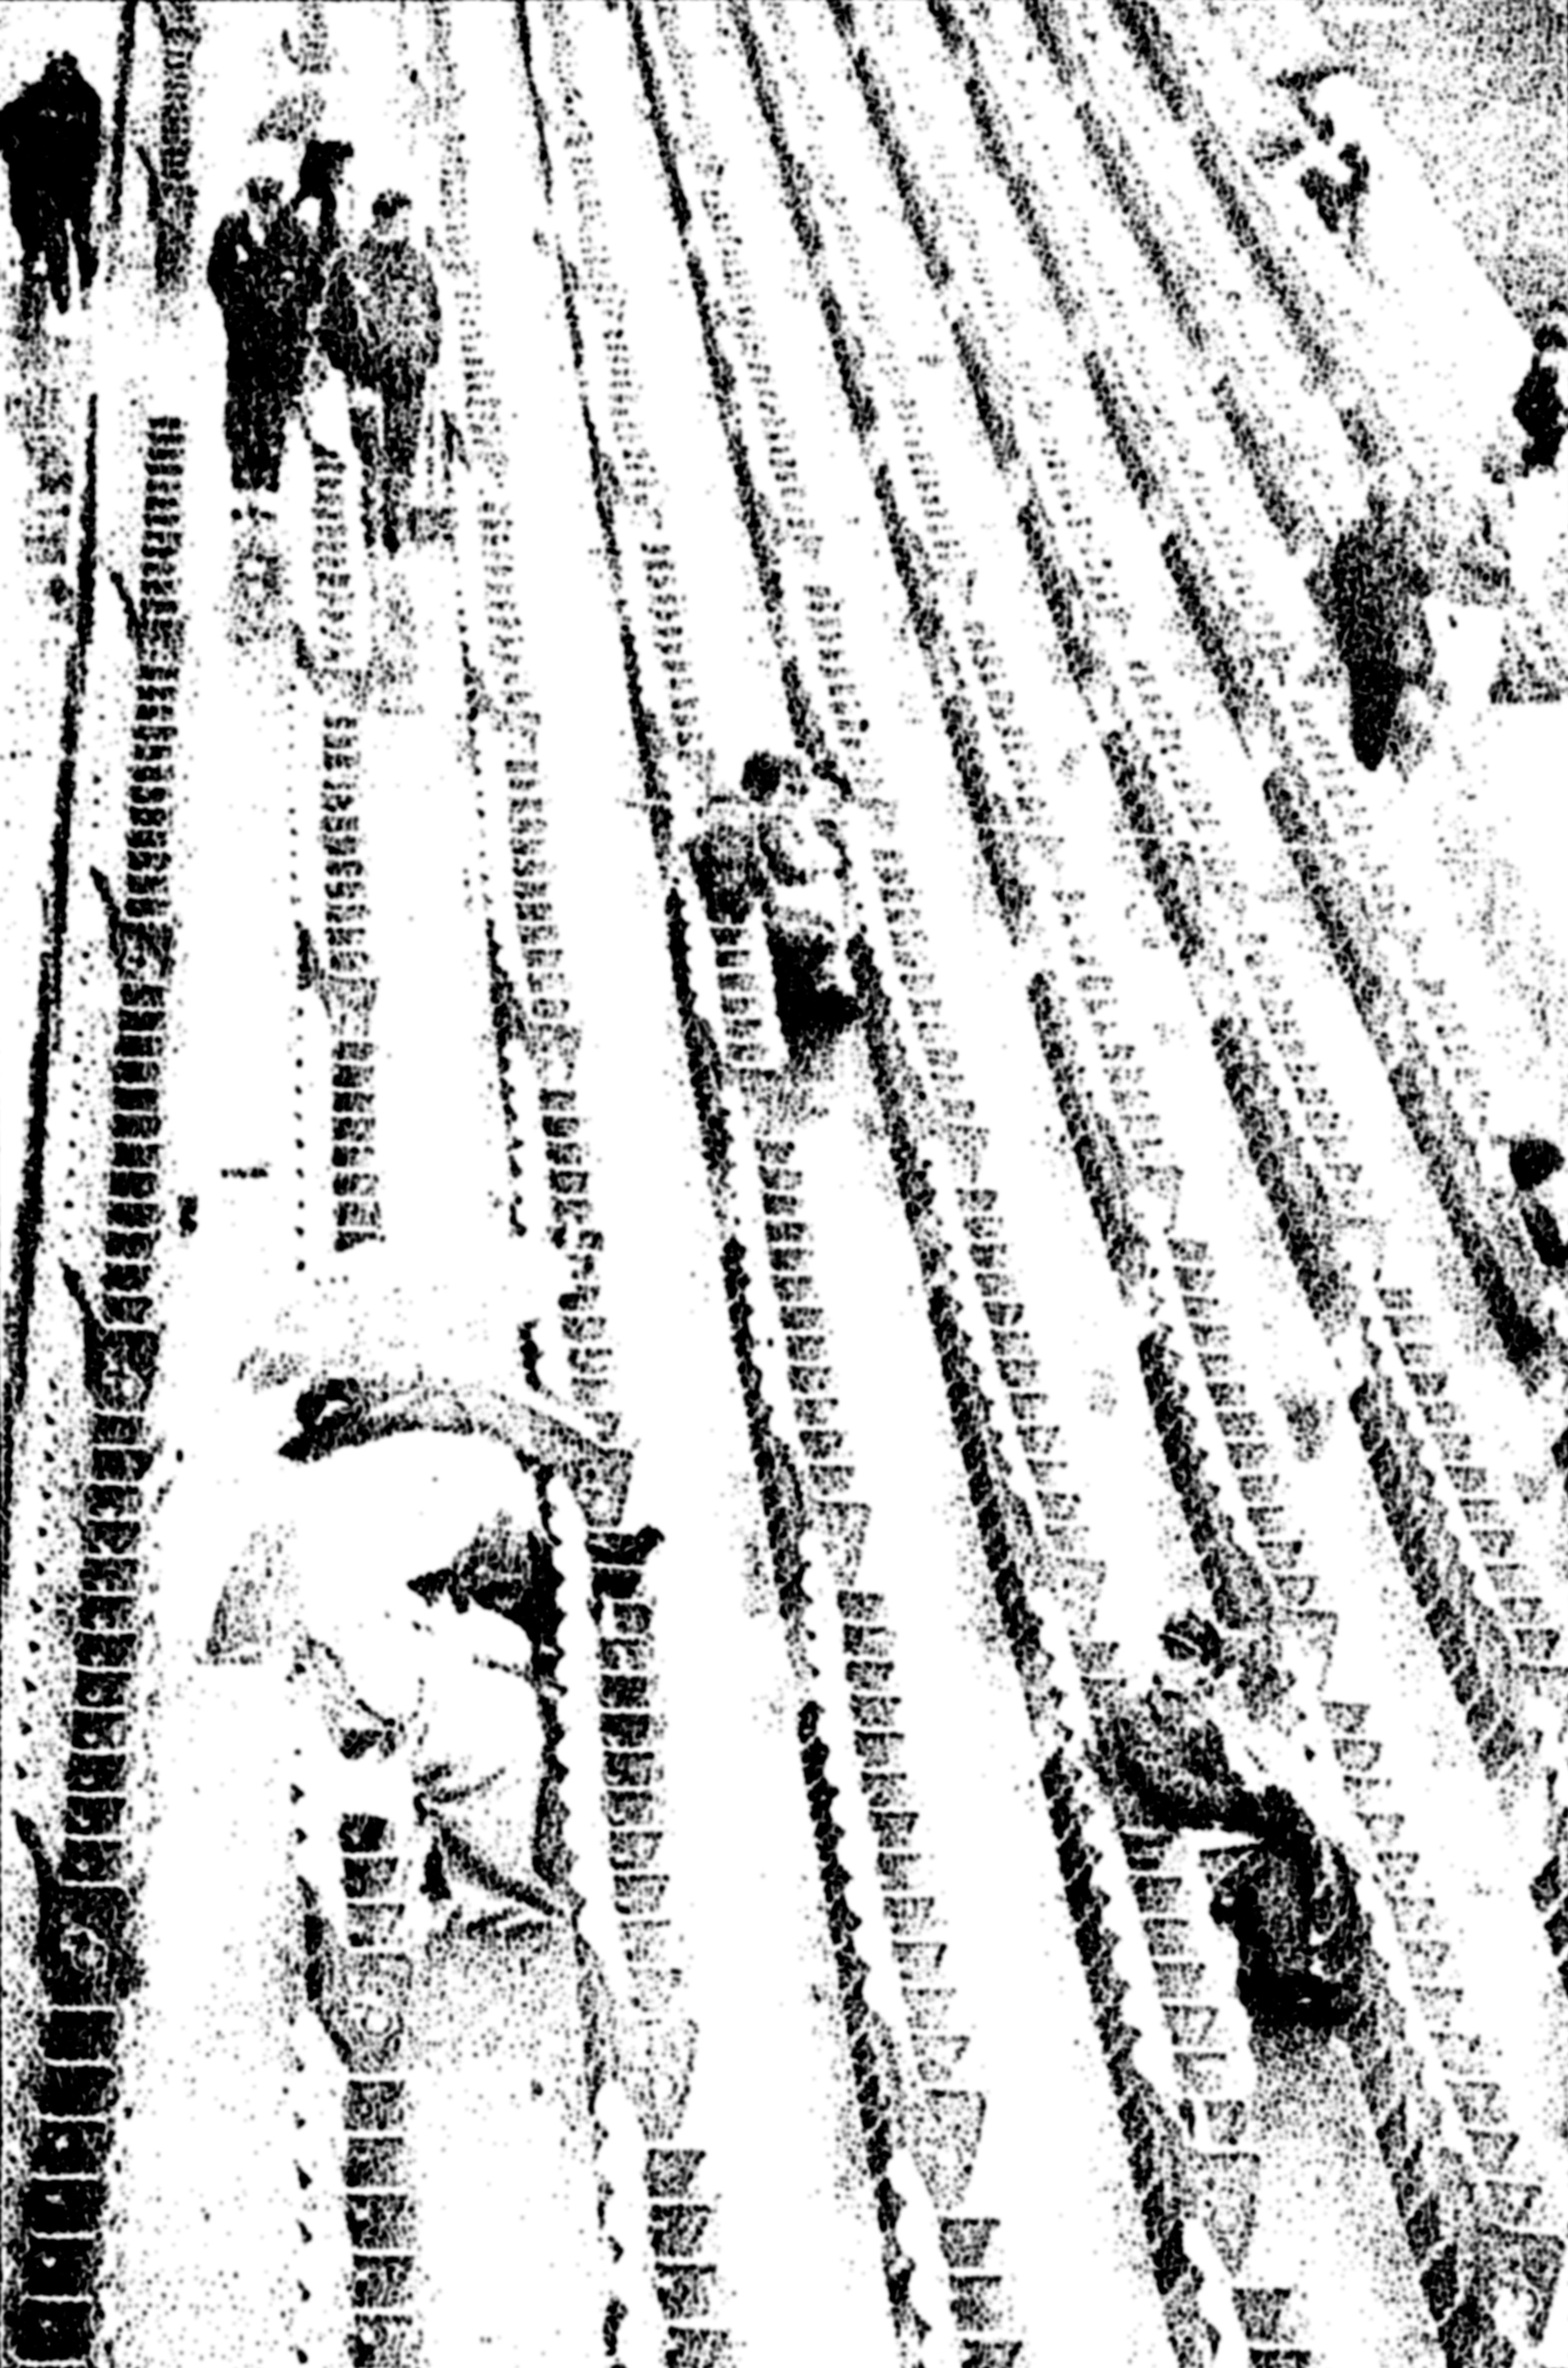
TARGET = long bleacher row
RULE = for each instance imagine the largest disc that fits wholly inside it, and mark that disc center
(616, 1822)
(86, 1956)
(986, 1468)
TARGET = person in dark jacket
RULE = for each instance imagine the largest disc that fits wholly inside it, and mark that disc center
(1378, 582)
(259, 271)
(380, 325)
(1291, 1901)
(1538, 405)
(51, 136)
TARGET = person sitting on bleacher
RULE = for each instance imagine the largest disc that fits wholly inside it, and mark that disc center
(779, 842)
(1189, 1756)
(726, 855)
(1380, 580)
(1538, 405)
(805, 878)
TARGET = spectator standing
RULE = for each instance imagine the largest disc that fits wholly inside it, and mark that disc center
(380, 325)
(1379, 581)
(259, 272)
(51, 137)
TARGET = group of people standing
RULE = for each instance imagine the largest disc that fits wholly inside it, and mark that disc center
(297, 298)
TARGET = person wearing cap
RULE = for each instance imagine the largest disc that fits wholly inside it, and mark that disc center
(1193, 1757)
(259, 271)
(380, 325)
(51, 137)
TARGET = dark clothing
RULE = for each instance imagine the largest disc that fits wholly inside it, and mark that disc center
(1383, 636)
(254, 418)
(380, 325)
(1376, 690)
(1546, 1235)
(321, 172)
(726, 858)
(382, 317)
(263, 287)
(1301, 1930)
(1532, 1162)
(1539, 409)
(386, 437)
(51, 135)
(787, 852)
(1291, 1901)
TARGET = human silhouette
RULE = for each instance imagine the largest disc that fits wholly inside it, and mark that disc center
(1187, 1754)
(780, 841)
(51, 137)
(380, 325)
(1378, 584)
(260, 273)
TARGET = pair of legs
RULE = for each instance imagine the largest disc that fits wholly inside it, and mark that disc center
(385, 421)
(1376, 689)
(49, 222)
(254, 415)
